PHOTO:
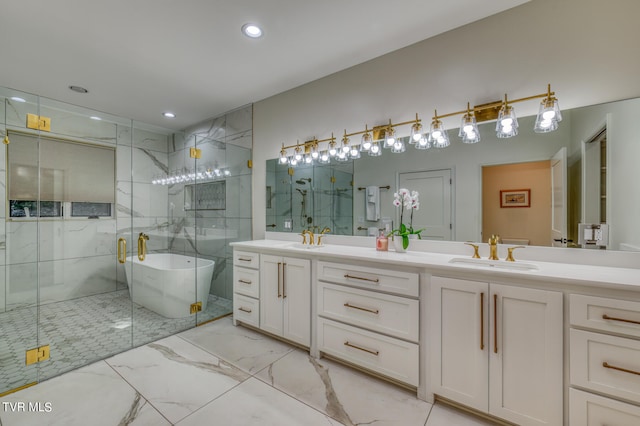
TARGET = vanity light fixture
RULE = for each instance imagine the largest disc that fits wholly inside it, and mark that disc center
(469, 127)
(548, 114)
(365, 143)
(345, 143)
(375, 150)
(416, 132)
(507, 124)
(389, 136)
(438, 137)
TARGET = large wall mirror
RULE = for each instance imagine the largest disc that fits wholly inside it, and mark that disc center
(530, 189)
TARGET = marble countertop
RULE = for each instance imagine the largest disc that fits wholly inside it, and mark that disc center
(436, 263)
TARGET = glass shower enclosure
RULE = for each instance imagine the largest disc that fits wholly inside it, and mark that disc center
(99, 250)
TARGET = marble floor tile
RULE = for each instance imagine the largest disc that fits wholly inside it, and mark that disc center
(175, 376)
(91, 395)
(255, 403)
(444, 415)
(242, 347)
(345, 394)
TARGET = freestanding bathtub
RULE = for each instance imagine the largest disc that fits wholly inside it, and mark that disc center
(168, 283)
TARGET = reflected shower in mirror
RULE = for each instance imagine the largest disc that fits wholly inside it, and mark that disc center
(591, 184)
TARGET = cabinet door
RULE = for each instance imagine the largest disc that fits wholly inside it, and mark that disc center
(459, 362)
(525, 362)
(271, 318)
(296, 290)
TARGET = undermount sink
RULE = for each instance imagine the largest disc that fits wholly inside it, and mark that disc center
(304, 246)
(498, 264)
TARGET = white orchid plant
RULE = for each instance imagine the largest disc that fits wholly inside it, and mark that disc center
(409, 200)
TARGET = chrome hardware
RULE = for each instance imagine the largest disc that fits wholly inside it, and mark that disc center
(142, 246)
(510, 253)
(351, 345)
(122, 250)
(475, 250)
(373, 280)
(373, 311)
(607, 317)
(624, 370)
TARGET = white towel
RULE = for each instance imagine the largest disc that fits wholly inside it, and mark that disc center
(372, 203)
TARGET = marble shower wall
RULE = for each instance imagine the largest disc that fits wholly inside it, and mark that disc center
(226, 144)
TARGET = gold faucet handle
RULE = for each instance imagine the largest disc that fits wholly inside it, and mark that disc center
(304, 236)
(510, 253)
(324, 231)
(475, 250)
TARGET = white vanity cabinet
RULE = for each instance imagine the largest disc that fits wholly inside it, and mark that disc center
(246, 288)
(498, 349)
(604, 358)
(369, 317)
(285, 297)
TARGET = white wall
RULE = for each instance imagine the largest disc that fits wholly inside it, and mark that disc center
(582, 47)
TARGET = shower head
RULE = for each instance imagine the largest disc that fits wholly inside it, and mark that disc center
(303, 181)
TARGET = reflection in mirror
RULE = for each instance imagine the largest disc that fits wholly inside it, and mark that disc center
(309, 196)
(593, 184)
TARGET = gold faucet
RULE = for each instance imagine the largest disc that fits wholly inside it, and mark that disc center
(142, 246)
(311, 235)
(324, 231)
(493, 247)
(475, 250)
(304, 236)
(510, 253)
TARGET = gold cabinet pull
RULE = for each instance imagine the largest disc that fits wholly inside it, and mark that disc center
(607, 317)
(624, 370)
(244, 259)
(373, 280)
(482, 321)
(373, 311)
(495, 323)
(351, 345)
(284, 274)
(122, 250)
(244, 282)
(279, 279)
(243, 309)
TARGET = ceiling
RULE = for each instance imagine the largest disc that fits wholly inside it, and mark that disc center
(143, 57)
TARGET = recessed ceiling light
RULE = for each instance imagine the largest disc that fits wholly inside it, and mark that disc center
(78, 89)
(252, 30)
(169, 114)
(17, 99)
(93, 117)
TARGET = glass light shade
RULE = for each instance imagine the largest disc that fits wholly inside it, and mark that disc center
(332, 149)
(423, 144)
(416, 133)
(314, 152)
(324, 157)
(308, 159)
(342, 156)
(345, 145)
(354, 152)
(375, 149)
(365, 144)
(469, 129)
(507, 124)
(389, 137)
(298, 154)
(548, 116)
(283, 158)
(398, 146)
(438, 137)
(293, 161)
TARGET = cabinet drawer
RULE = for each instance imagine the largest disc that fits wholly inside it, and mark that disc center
(246, 258)
(598, 360)
(246, 309)
(246, 281)
(391, 357)
(394, 315)
(600, 313)
(370, 278)
(586, 409)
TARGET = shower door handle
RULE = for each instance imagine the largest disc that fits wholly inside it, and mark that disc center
(122, 250)
(142, 246)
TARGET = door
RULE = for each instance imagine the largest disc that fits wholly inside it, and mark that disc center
(525, 361)
(460, 352)
(559, 199)
(296, 296)
(434, 214)
(271, 314)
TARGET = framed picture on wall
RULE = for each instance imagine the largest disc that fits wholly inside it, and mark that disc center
(515, 198)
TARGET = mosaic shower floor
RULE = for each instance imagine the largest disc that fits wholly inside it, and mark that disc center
(84, 330)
